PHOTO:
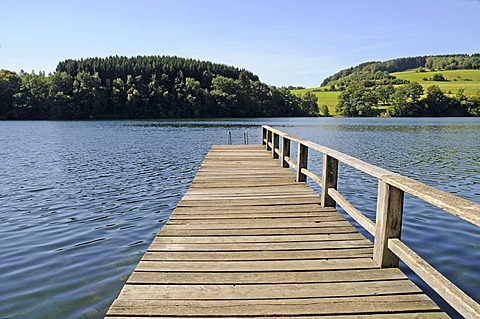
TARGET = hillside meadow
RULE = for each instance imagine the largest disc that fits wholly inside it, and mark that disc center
(324, 98)
(455, 80)
(469, 80)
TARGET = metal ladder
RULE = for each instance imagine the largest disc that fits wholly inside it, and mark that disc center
(245, 138)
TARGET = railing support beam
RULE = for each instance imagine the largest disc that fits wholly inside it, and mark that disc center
(329, 179)
(302, 162)
(388, 224)
(275, 145)
(269, 140)
(285, 151)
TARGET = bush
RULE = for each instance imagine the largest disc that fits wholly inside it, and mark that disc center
(438, 77)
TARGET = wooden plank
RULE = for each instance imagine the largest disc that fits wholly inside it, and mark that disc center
(258, 255)
(168, 231)
(254, 225)
(261, 246)
(404, 315)
(269, 291)
(213, 278)
(251, 266)
(258, 216)
(265, 190)
(273, 307)
(256, 239)
(252, 197)
(287, 210)
(251, 202)
(272, 221)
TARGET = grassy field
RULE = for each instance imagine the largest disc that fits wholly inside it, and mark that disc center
(456, 79)
(324, 98)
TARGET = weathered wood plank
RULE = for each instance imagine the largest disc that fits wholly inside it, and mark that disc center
(211, 217)
(251, 266)
(273, 221)
(167, 231)
(213, 278)
(287, 210)
(254, 225)
(256, 239)
(269, 291)
(275, 307)
(258, 255)
(261, 246)
(405, 315)
(252, 202)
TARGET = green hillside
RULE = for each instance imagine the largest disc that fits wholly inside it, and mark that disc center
(324, 98)
(468, 80)
(455, 80)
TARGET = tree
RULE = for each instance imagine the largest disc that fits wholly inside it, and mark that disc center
(32, 100)
(87, 96)
(308, 104)
(474, 105)
(436, 103)
(324, 110)
(61, 95)
(224, 95)
(9, 85)
(438, 77)
(356, 100)
(384, 93)
(405, 100)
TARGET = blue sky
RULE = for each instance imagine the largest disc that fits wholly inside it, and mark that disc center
(284, 42)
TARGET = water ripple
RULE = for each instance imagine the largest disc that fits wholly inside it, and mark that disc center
(81, 201)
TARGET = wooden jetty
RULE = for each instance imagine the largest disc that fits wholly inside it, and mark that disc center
(249, 239)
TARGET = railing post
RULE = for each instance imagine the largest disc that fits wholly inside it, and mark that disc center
(275, 144)
(388, 223)
(269, 139)
(285, 151)
(302, 162)
(329, 179)
(264, 135)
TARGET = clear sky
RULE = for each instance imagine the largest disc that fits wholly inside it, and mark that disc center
(284, 42)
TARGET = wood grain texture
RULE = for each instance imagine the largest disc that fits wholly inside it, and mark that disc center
(247, 240)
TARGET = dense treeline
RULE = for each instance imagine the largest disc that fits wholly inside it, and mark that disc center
(436, 62)
(145, 87)
(367, 79)
(406, 100)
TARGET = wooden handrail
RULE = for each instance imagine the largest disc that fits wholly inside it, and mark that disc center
(388, 248)
(465, 209)
(457, 206)
(465, 305)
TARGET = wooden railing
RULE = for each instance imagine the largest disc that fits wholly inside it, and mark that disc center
(388, 248)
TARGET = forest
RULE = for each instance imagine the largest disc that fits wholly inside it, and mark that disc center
(145, 87)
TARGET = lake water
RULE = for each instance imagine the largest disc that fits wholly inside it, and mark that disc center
(81, 201)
